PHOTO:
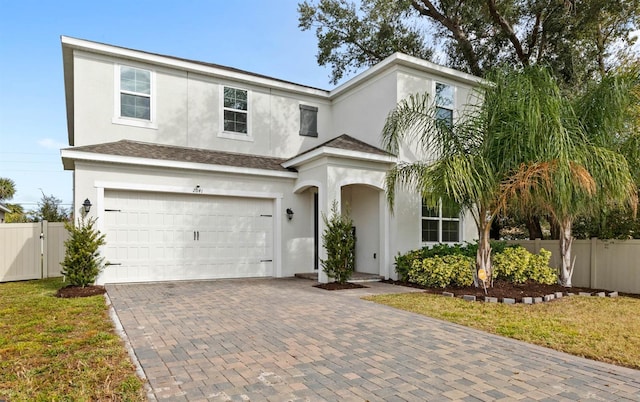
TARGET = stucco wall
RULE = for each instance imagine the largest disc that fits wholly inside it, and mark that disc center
(188, 111)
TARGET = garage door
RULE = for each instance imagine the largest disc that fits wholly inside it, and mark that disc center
(159, 237)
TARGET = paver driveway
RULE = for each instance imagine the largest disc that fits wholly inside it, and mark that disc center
(282, 340)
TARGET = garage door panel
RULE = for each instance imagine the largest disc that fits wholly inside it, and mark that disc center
(156, 236)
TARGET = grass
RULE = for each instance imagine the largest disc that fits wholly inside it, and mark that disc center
(604, 329)
(61, 349)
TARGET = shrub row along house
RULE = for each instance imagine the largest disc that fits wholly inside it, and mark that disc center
(198, 171)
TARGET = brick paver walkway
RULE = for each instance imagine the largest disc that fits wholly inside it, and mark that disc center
(283, 340)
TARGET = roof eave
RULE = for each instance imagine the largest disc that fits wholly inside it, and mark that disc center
(193, 66)
(70, 156)
(339, 153)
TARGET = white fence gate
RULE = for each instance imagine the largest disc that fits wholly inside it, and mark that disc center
(31, 250)
(600, 264)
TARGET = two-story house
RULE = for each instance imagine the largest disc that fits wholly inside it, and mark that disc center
(196, 171)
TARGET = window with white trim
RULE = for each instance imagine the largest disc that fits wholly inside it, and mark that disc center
(444, 103)
(135, 93)
(235, 110)
(440, 224)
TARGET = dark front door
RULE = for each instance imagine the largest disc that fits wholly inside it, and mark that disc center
(316, 235)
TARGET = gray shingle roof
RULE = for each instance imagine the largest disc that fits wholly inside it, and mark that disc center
(137, 149)
(350, 144)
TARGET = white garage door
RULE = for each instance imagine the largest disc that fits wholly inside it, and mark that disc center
(159, 237)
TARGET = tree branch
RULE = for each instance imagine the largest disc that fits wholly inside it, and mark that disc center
(506, 27)
(426, 8)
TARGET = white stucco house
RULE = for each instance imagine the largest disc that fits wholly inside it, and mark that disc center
(198, 171)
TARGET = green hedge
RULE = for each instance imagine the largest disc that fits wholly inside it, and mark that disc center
(404, 262)
(519, 266)
(444, 265)
(440, 272)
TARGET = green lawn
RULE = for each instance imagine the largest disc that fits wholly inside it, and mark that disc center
(605, 329)
(61, 349)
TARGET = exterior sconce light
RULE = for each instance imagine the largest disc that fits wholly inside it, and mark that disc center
(87, 206)
(289, 213)
(197, 189)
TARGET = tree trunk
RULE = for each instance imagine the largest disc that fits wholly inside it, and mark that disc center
(554, 227)
(534, 228)
(566, 240)
(483, 257)
(495, 229)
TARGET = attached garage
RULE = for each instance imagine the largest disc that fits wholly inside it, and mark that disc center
(163, 236)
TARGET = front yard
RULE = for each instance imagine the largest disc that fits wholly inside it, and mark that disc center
(604, 329)
(60, 349)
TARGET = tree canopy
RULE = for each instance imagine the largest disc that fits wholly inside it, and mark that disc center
(7, 188)
(576, 39)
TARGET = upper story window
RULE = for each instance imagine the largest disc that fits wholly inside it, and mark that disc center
(308, 121)
(135, 98)
(235, 110)
(441, 224)
(444, 103)
(135, 93)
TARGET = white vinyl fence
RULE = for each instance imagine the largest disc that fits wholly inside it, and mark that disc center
(31, 250)
(601, 264)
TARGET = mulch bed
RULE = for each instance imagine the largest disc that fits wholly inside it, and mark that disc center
(78, 291)
(338, 286)
(502, 289)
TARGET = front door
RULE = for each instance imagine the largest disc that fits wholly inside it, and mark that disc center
(316, 235)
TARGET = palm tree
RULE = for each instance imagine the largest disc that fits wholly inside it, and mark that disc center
(7, 188)
(455, 168)
(523, 146)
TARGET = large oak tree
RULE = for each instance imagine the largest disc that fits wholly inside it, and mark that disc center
(577, 39)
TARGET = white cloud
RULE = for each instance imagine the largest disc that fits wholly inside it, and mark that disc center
(51, 144)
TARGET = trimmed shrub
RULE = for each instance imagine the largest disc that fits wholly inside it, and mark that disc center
(448, 270)
(82, 262)
(516, 264)
(340, 242)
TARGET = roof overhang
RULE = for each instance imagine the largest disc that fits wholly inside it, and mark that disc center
(337, 153)
(70, 157)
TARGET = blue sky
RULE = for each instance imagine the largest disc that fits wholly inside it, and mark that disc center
(258, 36)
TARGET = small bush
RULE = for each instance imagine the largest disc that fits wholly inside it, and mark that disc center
(516, 264)
(340, 242)
(82, 262)
(448, 270)
(404, 262)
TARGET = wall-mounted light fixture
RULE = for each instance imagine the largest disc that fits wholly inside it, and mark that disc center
(87, 206)
(289, 213)
(197, 189)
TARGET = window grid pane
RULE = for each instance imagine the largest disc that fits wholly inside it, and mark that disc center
(445, 116)
(135, 80)
(235, 98)
(444, 95)
(429, 230)
(135, 106)
(441, 224)
(450, 231)
(235, 122)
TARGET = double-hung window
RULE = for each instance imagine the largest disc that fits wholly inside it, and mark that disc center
(440, 224)
(444, 103)
(135, 93)
(235, 110)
